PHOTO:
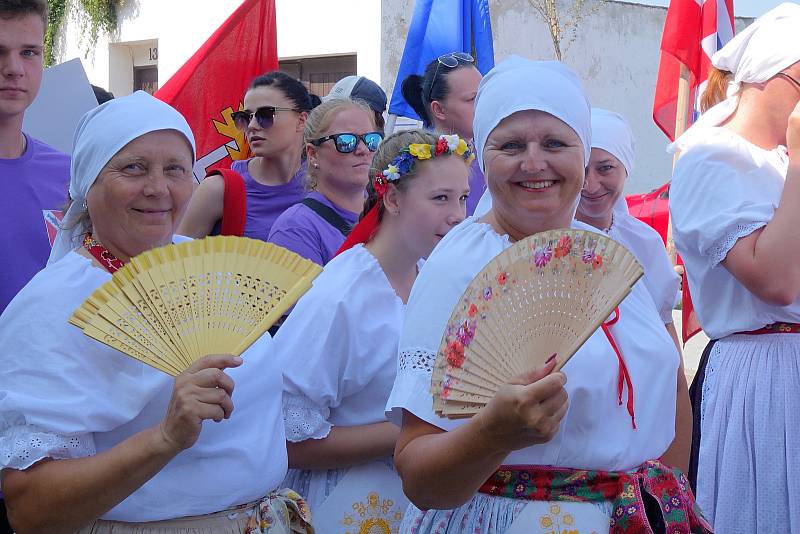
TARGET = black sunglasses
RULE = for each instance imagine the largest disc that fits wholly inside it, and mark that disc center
(450, 61)
(790, 78)
(348, 142)
(265, 116)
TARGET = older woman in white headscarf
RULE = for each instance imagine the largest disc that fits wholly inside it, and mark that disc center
(603, 206)
(556, 450)
(735, 204)
(94, 441)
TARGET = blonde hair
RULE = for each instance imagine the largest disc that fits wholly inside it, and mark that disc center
(320, 120)
(716, 90)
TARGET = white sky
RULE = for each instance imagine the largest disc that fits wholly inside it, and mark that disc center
(741, 8)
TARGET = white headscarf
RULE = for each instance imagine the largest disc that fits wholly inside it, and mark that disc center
(611, 132)
(100, 134)
(519, 84)
(756, 54)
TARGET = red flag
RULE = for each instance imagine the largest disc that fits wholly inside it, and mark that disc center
(693, 31)
(212, 83)
(653, 209)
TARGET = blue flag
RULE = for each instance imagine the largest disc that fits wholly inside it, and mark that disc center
(439, 27)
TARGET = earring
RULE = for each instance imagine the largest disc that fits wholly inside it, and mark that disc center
(315, 165)
(84, 206)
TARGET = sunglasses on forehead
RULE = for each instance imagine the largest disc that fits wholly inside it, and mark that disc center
(265, 117)
(450, 61)
(348, 142)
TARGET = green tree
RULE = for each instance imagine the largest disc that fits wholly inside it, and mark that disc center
(95, 16)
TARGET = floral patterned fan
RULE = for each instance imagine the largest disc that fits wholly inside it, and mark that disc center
(544, 295)
(172, 305)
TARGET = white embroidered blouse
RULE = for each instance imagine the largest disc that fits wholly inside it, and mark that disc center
(596, 432)
(338, 348)
(725, 188)
(65, 395)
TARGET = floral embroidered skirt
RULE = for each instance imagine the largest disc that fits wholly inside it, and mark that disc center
(281, 512)
(748, 474)
(364, 498)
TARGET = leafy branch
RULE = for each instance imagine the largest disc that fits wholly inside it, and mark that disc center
(95, 16)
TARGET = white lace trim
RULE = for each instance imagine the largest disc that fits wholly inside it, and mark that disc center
(720, 249)
(21, 446)
(303, 419)
(416, 359)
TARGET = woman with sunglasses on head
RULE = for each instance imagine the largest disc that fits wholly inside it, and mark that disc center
(247, 201)
(341, 137)
(444, 98)
(735, 205)
(339, 345)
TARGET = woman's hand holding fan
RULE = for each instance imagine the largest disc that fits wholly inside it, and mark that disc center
(203, 391)
(545, 294)
(527, 411)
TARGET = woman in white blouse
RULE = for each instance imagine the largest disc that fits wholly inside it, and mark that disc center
(94, 441)
(603, 206)
(338, 348)
(735, 204)
(551, 448)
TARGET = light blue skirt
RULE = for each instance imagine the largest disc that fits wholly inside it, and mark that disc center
(748, 477)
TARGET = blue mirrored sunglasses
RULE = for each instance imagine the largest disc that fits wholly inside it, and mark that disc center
(347, 142)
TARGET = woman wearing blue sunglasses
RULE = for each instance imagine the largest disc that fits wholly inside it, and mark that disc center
(340, 139)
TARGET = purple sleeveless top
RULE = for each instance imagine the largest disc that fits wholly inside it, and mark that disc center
(266, 202)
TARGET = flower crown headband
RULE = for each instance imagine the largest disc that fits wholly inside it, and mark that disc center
(404, 161)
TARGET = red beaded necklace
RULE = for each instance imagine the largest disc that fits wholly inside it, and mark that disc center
(110, 262)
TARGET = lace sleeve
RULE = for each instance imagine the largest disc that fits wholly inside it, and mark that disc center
(724, 244)
(303, 419)
(21, 446)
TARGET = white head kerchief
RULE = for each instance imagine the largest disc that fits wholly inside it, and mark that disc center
(519, 84)
(611, 132)
(756, 54)
(100, 134)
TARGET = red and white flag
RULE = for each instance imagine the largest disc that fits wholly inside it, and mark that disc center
(211, 84)
(693, 31)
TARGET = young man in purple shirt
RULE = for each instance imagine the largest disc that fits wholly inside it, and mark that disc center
(33, 176)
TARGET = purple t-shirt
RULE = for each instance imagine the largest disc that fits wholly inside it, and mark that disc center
(477, 185)
(301, 230)
(33, 190)
(266, 202)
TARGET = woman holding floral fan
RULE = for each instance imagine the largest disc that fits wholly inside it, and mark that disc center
(346, 331)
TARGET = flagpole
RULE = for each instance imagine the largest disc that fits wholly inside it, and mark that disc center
(390, 124)
(681, 119)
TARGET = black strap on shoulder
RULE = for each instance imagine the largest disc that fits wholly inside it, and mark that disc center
(330, 216)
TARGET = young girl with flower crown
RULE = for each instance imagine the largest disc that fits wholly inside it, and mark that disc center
(339, 346)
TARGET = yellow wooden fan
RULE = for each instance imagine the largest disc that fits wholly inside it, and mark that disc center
(544, 295)
(172, 305)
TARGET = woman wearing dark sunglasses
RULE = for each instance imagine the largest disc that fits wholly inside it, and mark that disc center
(444, 98)
(275, 109)
(340, 137)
